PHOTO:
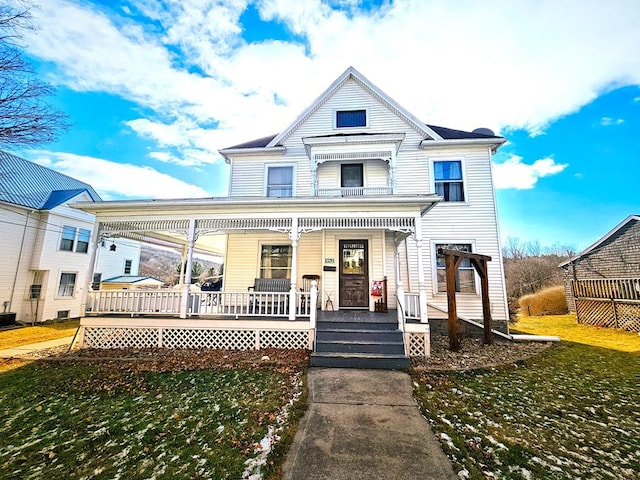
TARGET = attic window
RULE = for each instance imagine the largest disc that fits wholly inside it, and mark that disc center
(351, 118)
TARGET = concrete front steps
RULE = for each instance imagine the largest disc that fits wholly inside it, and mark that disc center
(368, 342)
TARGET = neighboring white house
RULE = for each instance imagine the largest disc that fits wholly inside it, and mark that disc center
(45, 245)
(354, 190)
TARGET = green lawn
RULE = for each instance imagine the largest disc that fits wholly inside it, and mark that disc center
(68, 420)
(570, 412)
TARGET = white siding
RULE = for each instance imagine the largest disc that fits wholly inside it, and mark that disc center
(111, 264)
(473, 221)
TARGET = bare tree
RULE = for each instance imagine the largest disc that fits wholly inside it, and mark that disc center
(26, 119)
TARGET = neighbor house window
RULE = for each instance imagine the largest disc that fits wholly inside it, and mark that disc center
(280, 181)
(68, 238)
(75, 237)
(275, 261)
(351, 118)
(83, 240)
(465, 276)
(127, 267)
(67, 284)
(448, 180)
(97, 279)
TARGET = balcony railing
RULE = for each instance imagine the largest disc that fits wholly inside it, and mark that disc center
(353, 191)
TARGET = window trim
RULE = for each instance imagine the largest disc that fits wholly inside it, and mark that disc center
(335, 118)
(464, 179)
(274, 243)
(293, 167)
(75, 283)
(434, 265)
(124, 270)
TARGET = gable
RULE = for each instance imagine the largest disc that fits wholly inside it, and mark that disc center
(624, 232)
(353, 91)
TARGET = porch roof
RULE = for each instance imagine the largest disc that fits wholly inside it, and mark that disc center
(166, 222)
(206, 207)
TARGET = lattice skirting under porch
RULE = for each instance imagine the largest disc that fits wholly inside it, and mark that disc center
(608, 313)
(159, 337)
(418, 344)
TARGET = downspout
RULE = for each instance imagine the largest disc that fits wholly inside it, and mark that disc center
(15, 277)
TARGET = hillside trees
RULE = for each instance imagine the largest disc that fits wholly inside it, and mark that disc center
(528, 267)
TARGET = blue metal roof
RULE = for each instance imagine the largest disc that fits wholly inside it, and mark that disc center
(129, 279)
(31, 185)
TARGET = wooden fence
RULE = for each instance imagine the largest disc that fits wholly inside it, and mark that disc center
(608, 302)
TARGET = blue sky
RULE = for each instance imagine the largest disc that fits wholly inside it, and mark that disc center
(155, 87)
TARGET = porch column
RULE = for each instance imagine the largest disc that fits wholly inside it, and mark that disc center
(191, 236)
(399, 289)
(422, 285)
(314, 176)
(392, 173)
(95, 244)
(294, 235)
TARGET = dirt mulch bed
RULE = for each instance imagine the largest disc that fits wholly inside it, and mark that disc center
(474, 354)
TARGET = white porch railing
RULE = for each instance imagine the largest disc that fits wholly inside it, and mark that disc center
(411, 306)
(134, 302)
(167, 302)
(353, 191)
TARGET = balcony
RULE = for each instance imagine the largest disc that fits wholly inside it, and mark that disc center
(353, 191)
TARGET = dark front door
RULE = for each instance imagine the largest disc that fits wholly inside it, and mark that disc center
(354, 274)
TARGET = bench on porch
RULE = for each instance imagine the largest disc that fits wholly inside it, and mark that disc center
(266, 298)
(270, 285)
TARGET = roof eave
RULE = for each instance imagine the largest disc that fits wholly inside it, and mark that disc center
(227, 152)
(495, 143)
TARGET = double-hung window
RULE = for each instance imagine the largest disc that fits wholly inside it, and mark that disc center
(127, 267)
(448, 180)
(465, 276)
(84, 236)
(275, 261)
(68, 238)
(75, 239)
(67, 284)
(280, 181)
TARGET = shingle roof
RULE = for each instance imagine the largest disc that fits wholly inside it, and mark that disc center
(451, 134)
(444, 132)
(31, 185)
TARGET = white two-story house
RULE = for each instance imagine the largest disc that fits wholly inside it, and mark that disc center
(354, 191)
(45, 244)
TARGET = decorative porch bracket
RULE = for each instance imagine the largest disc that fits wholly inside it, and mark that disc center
(452, 261)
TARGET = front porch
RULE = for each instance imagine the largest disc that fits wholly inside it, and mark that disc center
(228, 320)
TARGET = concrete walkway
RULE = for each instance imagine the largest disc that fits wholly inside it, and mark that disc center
(26, 350)
(364, 424)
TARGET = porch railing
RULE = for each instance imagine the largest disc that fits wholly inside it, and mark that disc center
(411, 306)
(134, 302)
(353, 191)
(167, 302)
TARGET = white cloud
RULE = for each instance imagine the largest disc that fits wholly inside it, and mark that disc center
(117, 180)
(512, 173)
(459, 64)
(608, 121)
